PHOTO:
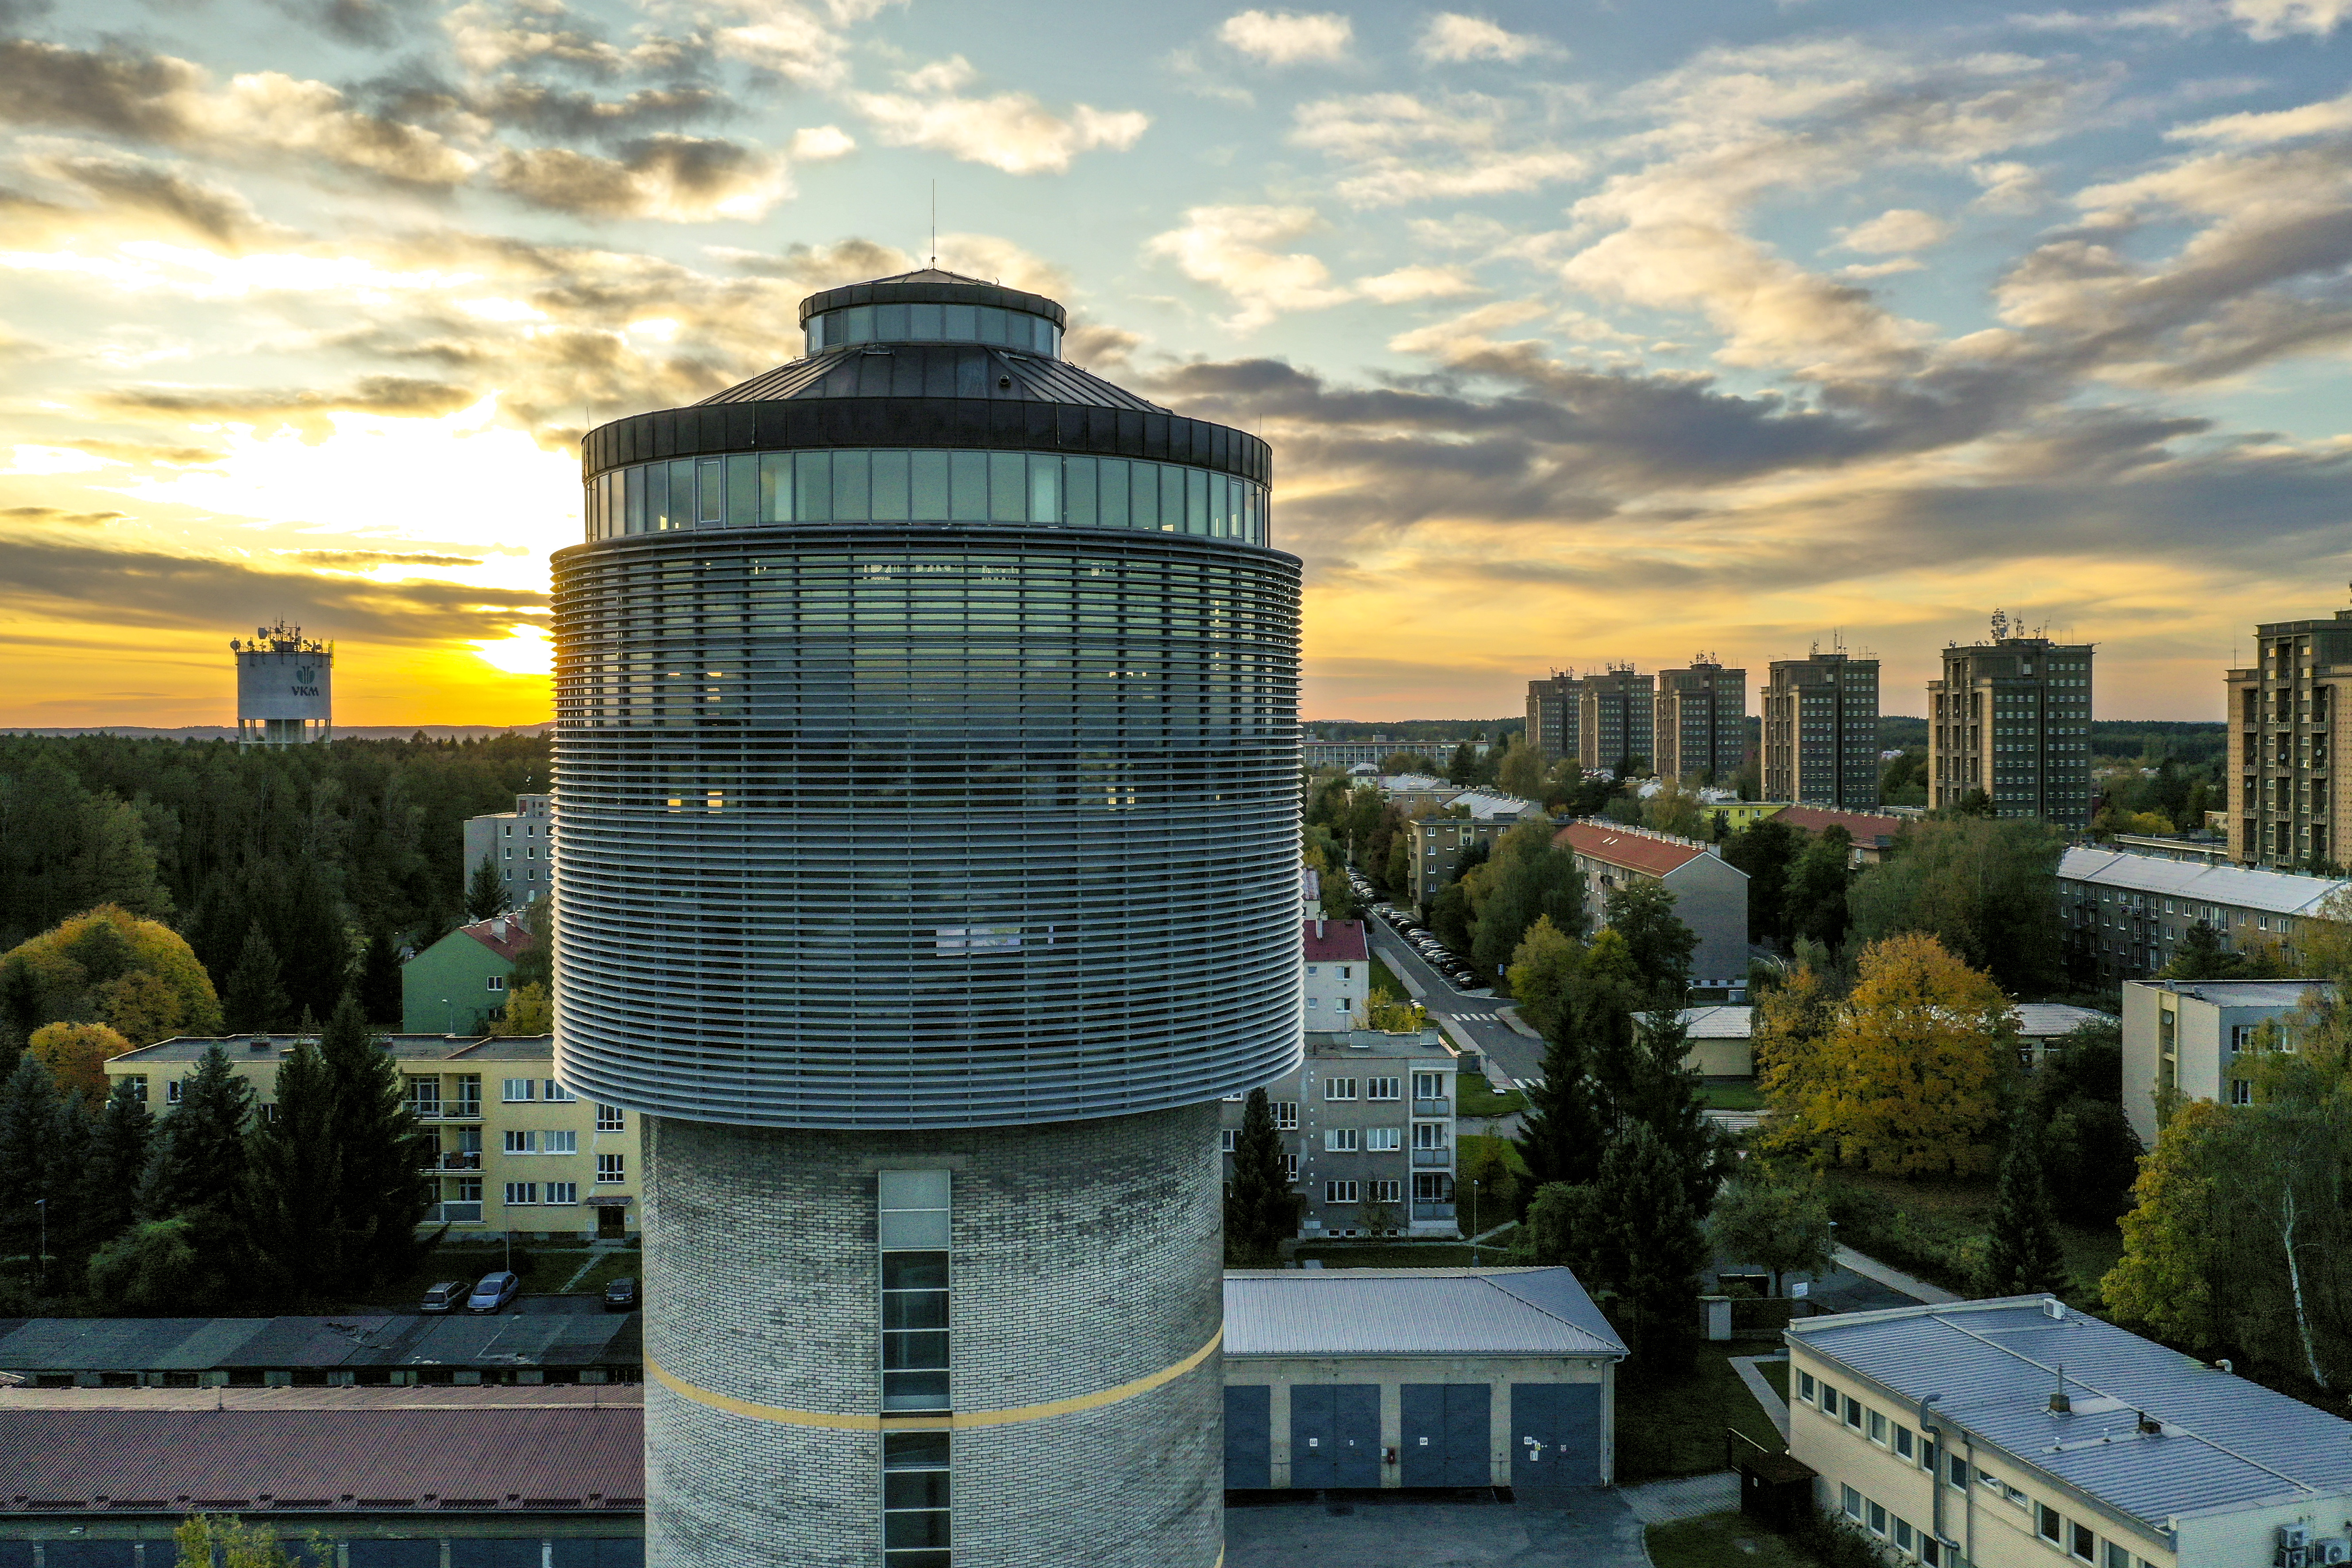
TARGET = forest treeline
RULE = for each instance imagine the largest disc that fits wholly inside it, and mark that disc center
(326, 850)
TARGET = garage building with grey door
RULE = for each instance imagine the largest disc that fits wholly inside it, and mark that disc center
(1417, 1377)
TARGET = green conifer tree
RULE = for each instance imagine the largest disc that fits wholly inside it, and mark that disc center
(380, 998)
(1653, 1245)
(1561, 1133)
(2022, 1257)
(296, 1176)
(486, 893)
(1261, 1211)
(254, 1001)
(382, 1191)
(30, 1173)
(121, 1141)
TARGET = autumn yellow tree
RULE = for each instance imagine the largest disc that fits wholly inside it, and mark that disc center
(1546, 961)
(530, 1010)
(2167, 1280)
(1792, 1023)
(109, 966)
(1908, 1079)
(77, 1055)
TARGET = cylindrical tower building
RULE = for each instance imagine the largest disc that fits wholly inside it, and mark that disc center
(927, 778)
(285, 687)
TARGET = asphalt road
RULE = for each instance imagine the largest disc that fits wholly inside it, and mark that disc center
(1468, 1016)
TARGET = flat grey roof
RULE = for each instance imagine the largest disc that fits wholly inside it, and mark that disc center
(2226, 1443)
(1718, 1023)
(1413, 1312)
(35, 1345)
(1372, 1044)
(2046, 1020)
(2239, 993)
(2240, 887)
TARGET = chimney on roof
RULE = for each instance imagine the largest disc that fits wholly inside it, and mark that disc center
(1319, 927)
(2059, 1404)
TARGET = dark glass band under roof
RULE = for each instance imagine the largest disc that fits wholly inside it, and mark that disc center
(934, 322)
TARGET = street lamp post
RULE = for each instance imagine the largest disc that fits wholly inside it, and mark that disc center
(41, 1257)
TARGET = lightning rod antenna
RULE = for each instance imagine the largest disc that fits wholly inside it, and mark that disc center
(935, 224)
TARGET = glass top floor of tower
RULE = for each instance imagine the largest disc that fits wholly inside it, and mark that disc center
(927, 398)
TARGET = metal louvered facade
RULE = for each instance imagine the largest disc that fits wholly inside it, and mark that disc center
(925, 824)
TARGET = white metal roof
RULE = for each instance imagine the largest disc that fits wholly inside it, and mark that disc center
(1718, 1023)
(2239, 887)
(1413, 1312)
(2225, 1443)
(2228, 993)
(2048, 1020)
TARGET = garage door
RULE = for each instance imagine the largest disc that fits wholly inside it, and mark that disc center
(1249, 1437)
(1446, 1434)
(1555, 1435)
(1335, 1435)
(368, 1553)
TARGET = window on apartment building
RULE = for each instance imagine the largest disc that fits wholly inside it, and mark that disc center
(1906, 1538)
(496, 982)
(612, 1167)
(1339, 1192)
(2116, 1557)
(1853, 1499)
(1931, 1550)
(1338, 1088)
(1339, 1140)
(1382, 1089)
(563, 1191)
(1877, 1428)
(1227, 1139)
(1290, 1168)
(556, 1091)
(519, 1142)
(1805, 1387)
(1903, 1441)
(2240, 1093)
(2046, 1523)
(1957, 1472)
(1386, 1190)
(520, 1193)
(611, 1119)
(1313, 1003)
(562, 1141)
(1310, 969)
(1878, 1519)
(1429, 1135)
(517, 1090)
(912, 1210)
(2081, 1543)
(1286, 1114)
(1383, 1140)
(915, 1491)
(1829, 1401)
(1854, 1410)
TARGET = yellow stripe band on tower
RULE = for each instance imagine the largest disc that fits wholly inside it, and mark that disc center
(752, 1411)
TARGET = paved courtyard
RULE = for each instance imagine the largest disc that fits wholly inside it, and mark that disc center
(1396, 1530)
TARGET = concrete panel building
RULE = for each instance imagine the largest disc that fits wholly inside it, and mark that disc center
(514, 1149)
(1418, 1377)
(1439, 836)
(1710, 894)
(2287, 714)
(947, 695)
(2126, 915)
(1821, 731)
(1617, 722)
(1556, 716)
(1337, 959)
(1700, 724)
(2186, 1038)
(520, 843)
(2012, 718)
(2018, 1434)
(1871, 836)
(1367, 1124)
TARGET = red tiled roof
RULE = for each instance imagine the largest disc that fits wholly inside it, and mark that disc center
(1634, 851)
(181, 1461)
(1864, 827)
(505, 935)
(1340, 941)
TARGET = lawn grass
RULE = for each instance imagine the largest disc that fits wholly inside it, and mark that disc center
(1384, 979)
(1673, 1424)
(1719, 1538)
(1956, 1206)
(545, 1267)
(1744, 1096)
(1776, 1372)
(1476, 1148)
(1477, 1097)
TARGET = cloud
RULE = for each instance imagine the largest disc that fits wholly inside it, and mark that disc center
(1464, 338)
(1228, 248)
(301, 408)
(2278, 18)
(1453, 38)
(1008, 130)
(1409, 283)
(1895, 231)
(1289, 37)
(2009, 187)
(1407, 149)
(354, 21)
(125, 182)
(821, 144)
(2327, 118)
(679, 179)
(365, 560)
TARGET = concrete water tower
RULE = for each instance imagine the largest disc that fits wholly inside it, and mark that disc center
(285, 687)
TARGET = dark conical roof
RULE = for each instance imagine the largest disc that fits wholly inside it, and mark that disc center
(935, 370)
(932, 286)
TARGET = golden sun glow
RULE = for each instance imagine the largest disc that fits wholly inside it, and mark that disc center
(524, 650)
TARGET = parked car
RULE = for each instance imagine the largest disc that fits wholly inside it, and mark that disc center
(621, 1296)
(444, 1296)
(496, 1290)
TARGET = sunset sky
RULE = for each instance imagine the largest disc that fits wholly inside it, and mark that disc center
(1582, 330)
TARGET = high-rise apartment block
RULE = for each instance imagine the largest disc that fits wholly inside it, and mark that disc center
(1701, 722)
(2012, 718)
(1820, 732)
(927, 775)
(1555, 713)
(1618, 720)
(2285, 711)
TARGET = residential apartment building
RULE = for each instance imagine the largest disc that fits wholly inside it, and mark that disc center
(514, 1150)
(1871, 836)
(2126, 915)
(2012, 718)
(1555, 714)
(2188, 1036)
(459, 984)
(1367, 1128)
(1439, 836)
(1821, 731)
(2285, 795)
(2015, 1432)
(1338, 963)
(1617, 724)
(1700, 722)
(1710, 894)
(520, 843)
